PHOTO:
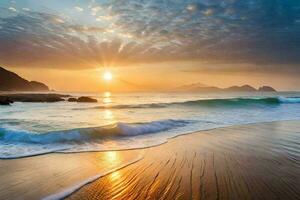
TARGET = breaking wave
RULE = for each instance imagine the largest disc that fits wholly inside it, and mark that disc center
(91, 134)
(207, 102)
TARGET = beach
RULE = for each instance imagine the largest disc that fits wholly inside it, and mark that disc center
(149, 100)
(254, 161)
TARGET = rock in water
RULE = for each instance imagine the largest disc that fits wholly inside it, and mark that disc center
(86, 100)
(5, 101)
(27, 97)
(72, 99)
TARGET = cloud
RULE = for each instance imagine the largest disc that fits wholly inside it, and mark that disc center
(192, 7)
(95, 10)
(238, 68)
(208, 12)
(12, 9)
(79, 9)
(258, 32)
(82, 29)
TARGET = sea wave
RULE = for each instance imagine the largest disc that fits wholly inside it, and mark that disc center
(92, 133)
(289, 99)
(243, 101)
(206, 102)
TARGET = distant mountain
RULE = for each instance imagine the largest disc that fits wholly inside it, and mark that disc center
(244, 88)
(199, 87)
(266, 89)
(192, 87)
(10, 81)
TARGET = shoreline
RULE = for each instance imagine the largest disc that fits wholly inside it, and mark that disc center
(240, 162)
(69, 191)
(128, 159)
(50, 175)
(143, 147)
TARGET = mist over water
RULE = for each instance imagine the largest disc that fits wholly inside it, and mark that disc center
(133, 120)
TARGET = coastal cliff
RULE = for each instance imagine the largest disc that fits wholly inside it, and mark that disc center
(10, 81)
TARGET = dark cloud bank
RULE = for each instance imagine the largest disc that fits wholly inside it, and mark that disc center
(262, 32)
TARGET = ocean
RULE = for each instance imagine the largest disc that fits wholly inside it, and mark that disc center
(132, 120)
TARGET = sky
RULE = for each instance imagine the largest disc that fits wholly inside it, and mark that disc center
(152, 44)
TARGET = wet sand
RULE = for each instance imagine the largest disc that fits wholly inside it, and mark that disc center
(42, 176)
(258, 161)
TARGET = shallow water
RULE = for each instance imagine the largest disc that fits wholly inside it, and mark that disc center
(133, 120)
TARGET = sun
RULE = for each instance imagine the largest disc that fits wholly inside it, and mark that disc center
(107, 76)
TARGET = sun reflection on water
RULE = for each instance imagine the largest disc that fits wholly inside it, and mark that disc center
(107, 98)
(107, 94)
(108, 115)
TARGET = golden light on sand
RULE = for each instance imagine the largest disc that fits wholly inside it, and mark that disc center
(107, 76)
(112, 157)
(115, 176)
